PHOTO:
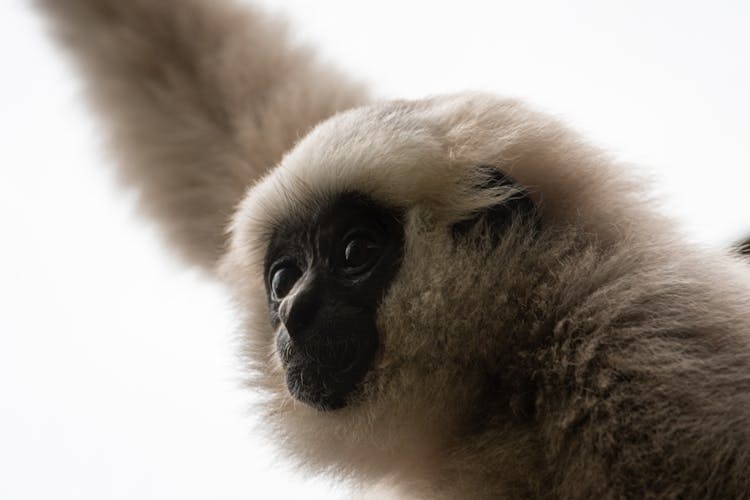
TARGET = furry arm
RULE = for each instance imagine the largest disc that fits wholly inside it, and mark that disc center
(201, 98)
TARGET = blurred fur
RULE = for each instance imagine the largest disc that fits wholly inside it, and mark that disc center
(201, 98)
(601, 357)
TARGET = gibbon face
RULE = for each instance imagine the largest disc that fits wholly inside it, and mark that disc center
(326, 274)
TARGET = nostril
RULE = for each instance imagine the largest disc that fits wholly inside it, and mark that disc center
(298, 313)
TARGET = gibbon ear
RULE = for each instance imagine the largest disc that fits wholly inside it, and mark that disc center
(498, 217)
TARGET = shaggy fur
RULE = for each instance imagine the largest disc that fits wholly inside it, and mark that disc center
(601, 356)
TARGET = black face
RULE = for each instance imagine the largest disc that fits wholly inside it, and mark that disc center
(325, 277)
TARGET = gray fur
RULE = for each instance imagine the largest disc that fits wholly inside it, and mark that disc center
(602, 356)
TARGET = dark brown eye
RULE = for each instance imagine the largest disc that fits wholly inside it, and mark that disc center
(283, 280)
(359, 254)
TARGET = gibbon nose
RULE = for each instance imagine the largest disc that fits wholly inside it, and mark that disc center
(298, 313)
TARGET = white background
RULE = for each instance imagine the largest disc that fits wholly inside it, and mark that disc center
(117, 370)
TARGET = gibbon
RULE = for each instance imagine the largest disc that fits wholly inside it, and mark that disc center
(456, 296)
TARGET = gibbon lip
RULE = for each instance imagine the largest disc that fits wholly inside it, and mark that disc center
(323, 372)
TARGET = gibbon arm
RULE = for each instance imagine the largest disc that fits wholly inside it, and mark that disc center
(201, 98)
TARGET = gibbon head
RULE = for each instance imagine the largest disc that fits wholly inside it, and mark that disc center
(397, 257)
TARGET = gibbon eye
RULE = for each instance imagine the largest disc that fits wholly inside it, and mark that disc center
(360, 253)
(283, 280)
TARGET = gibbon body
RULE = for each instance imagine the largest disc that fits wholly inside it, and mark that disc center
(456, 296)
(591, 355)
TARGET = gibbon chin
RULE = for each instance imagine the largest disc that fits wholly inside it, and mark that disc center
(457, 295)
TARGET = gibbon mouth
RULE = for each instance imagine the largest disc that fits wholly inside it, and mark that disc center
(325, 371)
